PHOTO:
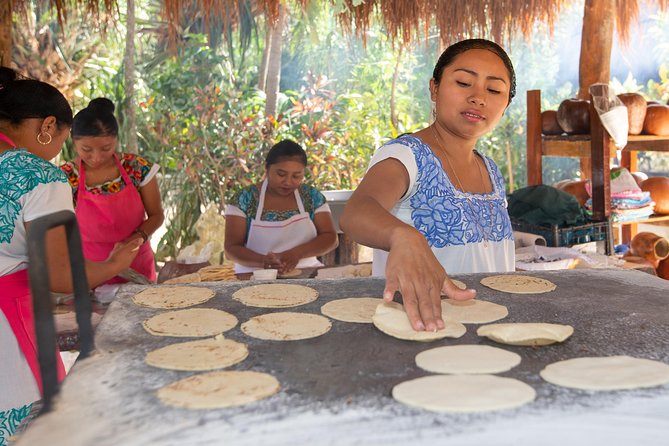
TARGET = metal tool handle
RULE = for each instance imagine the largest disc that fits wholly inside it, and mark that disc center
(39, 284)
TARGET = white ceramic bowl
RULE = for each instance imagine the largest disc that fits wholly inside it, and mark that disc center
(265, 274)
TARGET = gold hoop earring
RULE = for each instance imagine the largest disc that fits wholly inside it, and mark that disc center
(39, 140)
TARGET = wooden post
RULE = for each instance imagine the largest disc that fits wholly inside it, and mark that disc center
(534, 145)
(596, 41)
(5, 33)
(600, 149)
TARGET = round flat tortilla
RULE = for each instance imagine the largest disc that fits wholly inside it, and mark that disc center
(463, 393)
(219, 389)
(292, 273)
(528, 334)
(518, 284)
(286, 326)
(459, 359)
(193, 322)
(203, 354)
(275, 295)
(607, 373)
(172, 297)
(354, 309)
(473, 311)
(391, 319)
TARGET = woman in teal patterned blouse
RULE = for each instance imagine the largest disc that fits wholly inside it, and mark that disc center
(280, 222)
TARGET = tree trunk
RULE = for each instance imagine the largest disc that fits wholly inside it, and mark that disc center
(393, 90)
(274, 64)
(262, 71)
(5, 33)
(129, 80)
(596, 41)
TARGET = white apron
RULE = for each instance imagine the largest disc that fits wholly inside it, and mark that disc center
(279, 236)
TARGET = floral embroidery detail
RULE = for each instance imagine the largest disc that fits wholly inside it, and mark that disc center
(10, 420)
(447, 216)
(135, 166)
(20, 173)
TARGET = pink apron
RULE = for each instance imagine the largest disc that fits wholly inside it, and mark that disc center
(107, 219)
(279, 236)
(17, 304)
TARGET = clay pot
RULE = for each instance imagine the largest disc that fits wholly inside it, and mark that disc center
(576, 188)
(173, 269)
(663, 269)
(573, 115)
(650, 246)
(657, 120)
(659, 192)
(549, 123)
(636, 111)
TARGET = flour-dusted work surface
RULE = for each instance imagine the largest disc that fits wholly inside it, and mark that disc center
(336, 388)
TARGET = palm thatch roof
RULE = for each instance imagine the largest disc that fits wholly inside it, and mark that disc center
(406, 20)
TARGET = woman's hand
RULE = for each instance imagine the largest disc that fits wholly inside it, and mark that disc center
(413, 270)
(125, 252)
(272, 260)
(289, 259)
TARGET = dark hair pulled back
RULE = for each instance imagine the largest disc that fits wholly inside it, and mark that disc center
(453, 51)
(285, 149)
(23, 98)
(97, 119)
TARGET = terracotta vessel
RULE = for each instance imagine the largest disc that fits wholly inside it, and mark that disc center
(650, 246)
(663, 269)
(173, 269)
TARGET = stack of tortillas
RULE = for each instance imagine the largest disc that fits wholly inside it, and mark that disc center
(213, 273)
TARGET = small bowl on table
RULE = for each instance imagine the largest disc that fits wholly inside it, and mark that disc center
(265, 274)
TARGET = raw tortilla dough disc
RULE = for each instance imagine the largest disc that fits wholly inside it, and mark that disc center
(275, 295)
(532, 334)
(463, 393)
(472, 311)
(458, 359)
(354, 309)
(292, 273)
(219, 389)
(391, 319)
(607, 373)
(286, 326)
(519, 284)
(459, 284)
(193, 322)
(172, 297)
(203, 354)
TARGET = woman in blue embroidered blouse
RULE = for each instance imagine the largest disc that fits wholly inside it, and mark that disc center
(35, 120)
(279, 223)
(430, 203)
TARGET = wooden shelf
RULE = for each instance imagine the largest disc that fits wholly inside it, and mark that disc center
(595, 151)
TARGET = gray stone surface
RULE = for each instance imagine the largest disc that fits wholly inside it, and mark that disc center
(336, 388)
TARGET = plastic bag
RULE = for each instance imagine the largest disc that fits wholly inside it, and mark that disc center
(612, 112)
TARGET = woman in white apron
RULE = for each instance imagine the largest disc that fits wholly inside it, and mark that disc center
(279, 223)
(430, 203)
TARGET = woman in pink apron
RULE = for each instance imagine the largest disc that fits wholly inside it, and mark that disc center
(279, 223)
(116, 195)
(35, 120)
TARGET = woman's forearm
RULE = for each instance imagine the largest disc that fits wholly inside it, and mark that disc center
(368, 223)
(244, 256)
